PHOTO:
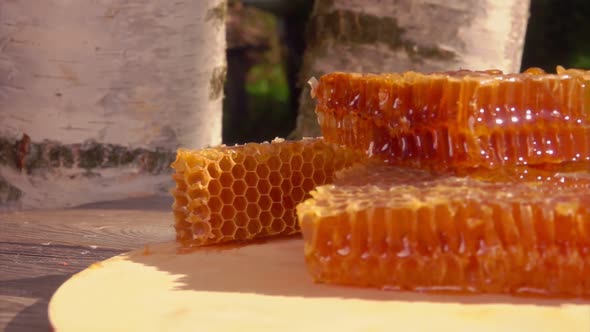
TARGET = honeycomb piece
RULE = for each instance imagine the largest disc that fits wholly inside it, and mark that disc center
(402, 228)
(249, 191)
(459, 119)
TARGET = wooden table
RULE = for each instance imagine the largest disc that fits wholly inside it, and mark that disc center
(40, 250)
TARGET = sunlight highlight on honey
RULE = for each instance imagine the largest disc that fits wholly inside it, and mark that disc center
(459, 119)
(237, 193)
(398, 228)
(458, 181)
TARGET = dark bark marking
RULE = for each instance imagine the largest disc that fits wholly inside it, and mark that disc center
(360, 28)
(8, 192)
(34, 156)
(22, 149)
(217, 15)
(216, 82)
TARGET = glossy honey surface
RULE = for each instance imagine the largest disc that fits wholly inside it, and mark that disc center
(459, 119)
(457, 181)
(402, 228)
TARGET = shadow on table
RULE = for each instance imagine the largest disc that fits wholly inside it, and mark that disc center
(277, 268)
(33, 317)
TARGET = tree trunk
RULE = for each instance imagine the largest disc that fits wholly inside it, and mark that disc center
(95, 96)
(396, 36)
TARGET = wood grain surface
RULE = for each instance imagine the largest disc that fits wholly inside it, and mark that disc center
(40, 250)
(265, 286)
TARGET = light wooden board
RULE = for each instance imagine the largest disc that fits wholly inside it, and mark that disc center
(265, 287)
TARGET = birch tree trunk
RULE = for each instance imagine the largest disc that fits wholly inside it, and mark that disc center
(421, 35)
(95, 96)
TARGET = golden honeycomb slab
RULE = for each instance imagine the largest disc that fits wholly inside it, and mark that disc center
(237, 193)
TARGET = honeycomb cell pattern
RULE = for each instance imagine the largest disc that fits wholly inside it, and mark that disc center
(237, 193)
(402, 228)
(459, 119)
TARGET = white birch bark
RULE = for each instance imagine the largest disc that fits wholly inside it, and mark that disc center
(421, 35)
(138, 73)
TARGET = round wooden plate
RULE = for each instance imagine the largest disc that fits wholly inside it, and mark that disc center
(265, 287)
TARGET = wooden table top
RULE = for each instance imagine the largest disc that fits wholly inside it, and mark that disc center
(40, 250)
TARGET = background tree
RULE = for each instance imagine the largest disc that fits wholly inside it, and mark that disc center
(95, 96)
(433, 35)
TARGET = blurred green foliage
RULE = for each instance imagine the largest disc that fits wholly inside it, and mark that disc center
(268, 115)
(558, 33)
(268, 80)
(581, 60)
(257, 104)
